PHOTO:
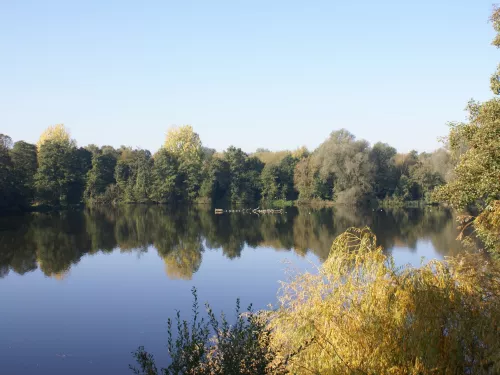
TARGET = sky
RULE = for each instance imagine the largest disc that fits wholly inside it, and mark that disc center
(261, 73)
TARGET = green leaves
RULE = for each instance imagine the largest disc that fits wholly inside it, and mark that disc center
(215, 347)
(476, 146)
(61, 174)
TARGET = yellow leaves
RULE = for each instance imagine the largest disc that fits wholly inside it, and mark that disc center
(367, 316)
(487, 226)
(182, 263)
(271, 157)
(55, 133)
(183, 142)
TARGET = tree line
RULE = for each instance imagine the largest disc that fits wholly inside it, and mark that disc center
(56, 172)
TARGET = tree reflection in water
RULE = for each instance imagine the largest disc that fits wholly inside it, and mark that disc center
(56, 241)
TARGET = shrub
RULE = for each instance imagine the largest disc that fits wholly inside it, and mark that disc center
(281, 203)
(215, 347)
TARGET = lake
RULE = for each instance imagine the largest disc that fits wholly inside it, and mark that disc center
(80, 290)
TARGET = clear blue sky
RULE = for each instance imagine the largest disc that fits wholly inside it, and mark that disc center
(275, 74)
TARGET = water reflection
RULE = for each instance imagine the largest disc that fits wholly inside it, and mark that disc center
(54, 242)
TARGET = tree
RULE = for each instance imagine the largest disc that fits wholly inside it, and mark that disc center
(425, 178)
(476, 147)
(477, 178)
(361, 314)
(244, 175)
(304, 179)
(270, 182)
(133, 175)
(100, 177)
(277, 179)
(24, 162)
(62, 168)
(404, 162)
(7, 177)
(143, 178)
(183, 143)
(345, 160)
(81, 165)
(386, 178)
(165, 175)
(440, 161)
(56, 133)
(54, 175)
(301, 153)
(216, 179)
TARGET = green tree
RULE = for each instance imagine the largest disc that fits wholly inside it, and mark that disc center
(143, 177)
(100, 177)
(476, 147)
(7, 176)
(24, 162)
(306, 176)
(165, 176)
(386, 177)
(477, 178)
(183, 143)
(244, 175)
(216, 180)
(62, 167)
(270, 182)
(286, 177)
(56, 173)
(81, 165)
(133, 174)
(278, 179)
(346, 161)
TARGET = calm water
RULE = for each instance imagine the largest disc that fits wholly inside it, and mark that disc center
(80, 290)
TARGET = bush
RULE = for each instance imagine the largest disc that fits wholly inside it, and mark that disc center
(281, 203)
(363, 315)
(215, 347)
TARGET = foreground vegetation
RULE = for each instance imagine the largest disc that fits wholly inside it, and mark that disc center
(359, 314)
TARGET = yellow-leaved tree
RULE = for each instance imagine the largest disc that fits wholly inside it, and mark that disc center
(55, 133)
(360, 314)
(185, 145)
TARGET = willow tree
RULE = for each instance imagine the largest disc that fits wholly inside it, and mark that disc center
(360, 314)
(346, 161)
